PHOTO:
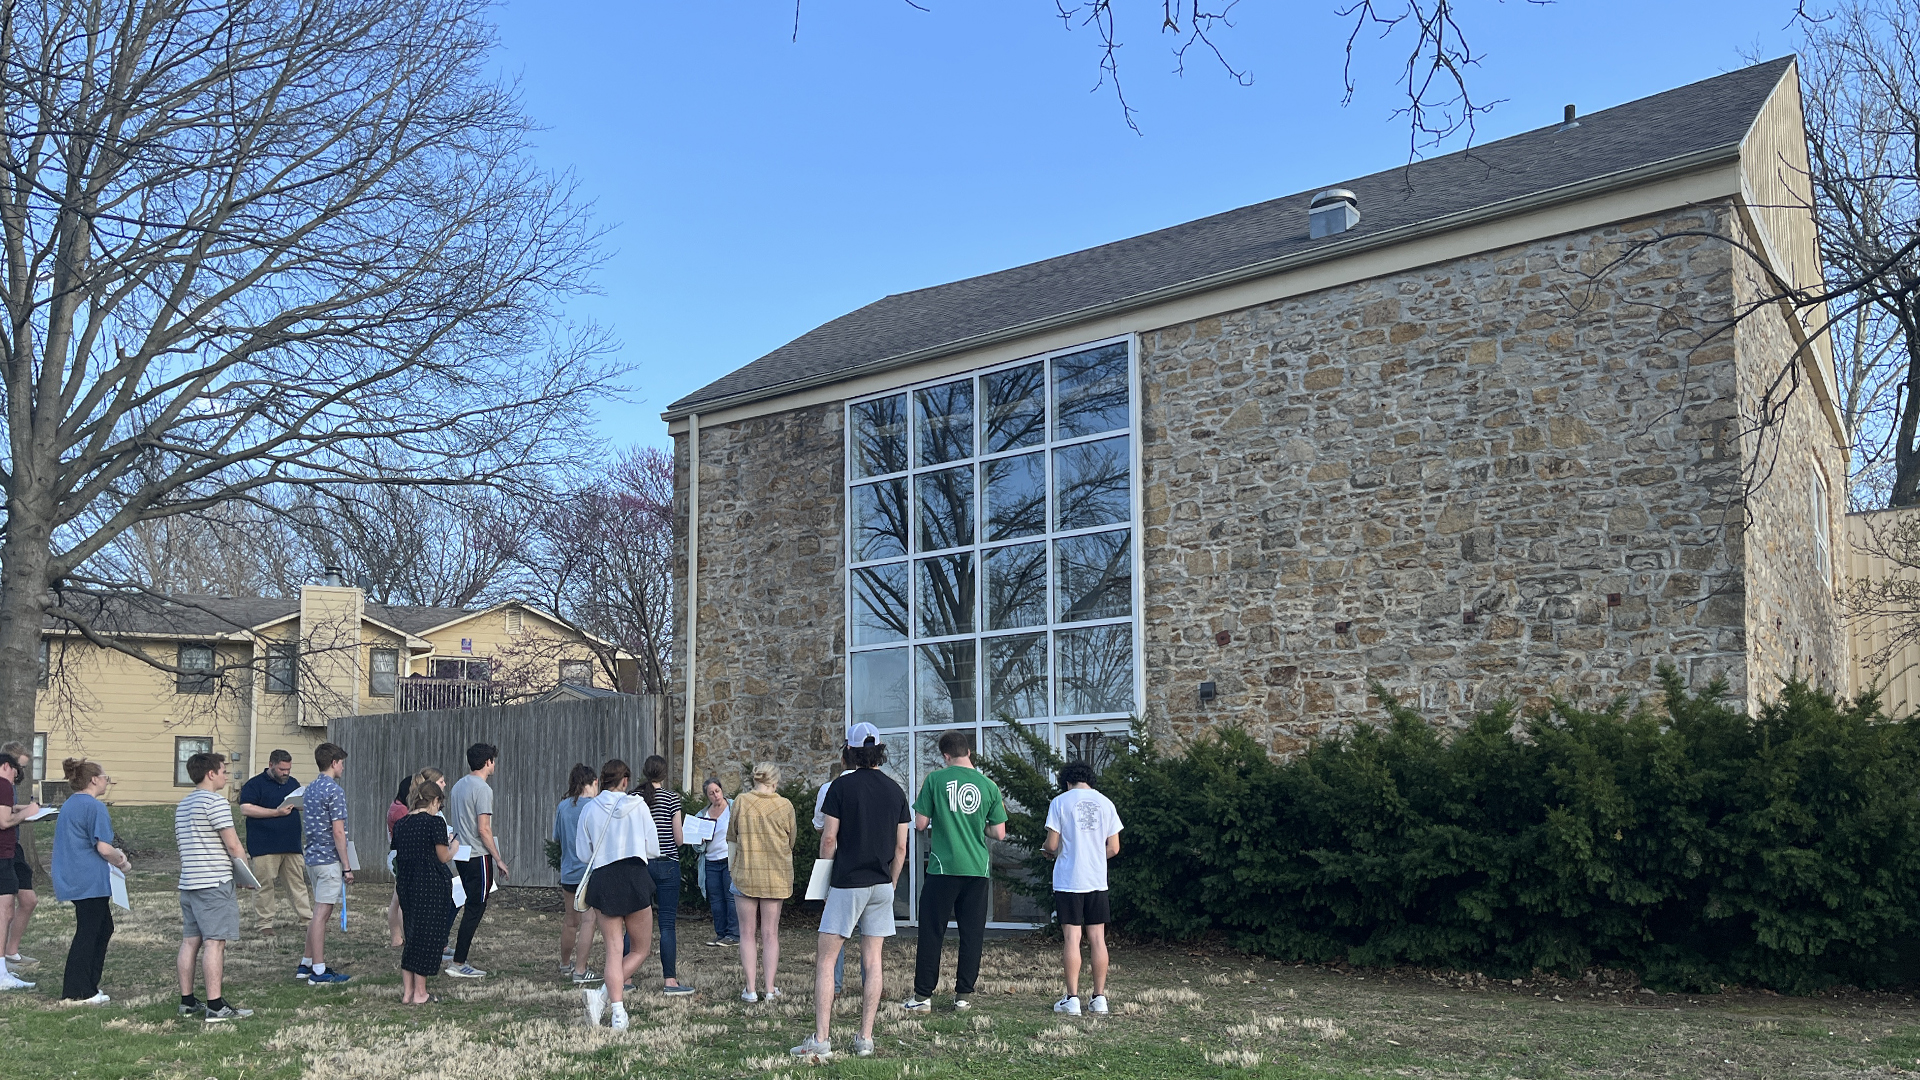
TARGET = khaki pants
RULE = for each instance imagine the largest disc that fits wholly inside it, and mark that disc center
(289, 868)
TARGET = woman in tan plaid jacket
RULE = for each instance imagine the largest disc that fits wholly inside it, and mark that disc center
(760, 839)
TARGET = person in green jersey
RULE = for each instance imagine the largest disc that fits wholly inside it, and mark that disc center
(962, 810)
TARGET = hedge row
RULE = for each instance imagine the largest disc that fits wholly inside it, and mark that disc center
(1693, 844)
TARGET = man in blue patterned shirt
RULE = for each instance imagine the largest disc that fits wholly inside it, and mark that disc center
(324, 825)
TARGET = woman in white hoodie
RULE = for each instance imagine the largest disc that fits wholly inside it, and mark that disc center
(616, 837)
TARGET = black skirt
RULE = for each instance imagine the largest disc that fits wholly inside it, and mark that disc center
(621, 888)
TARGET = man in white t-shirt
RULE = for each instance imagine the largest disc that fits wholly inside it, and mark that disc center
(1083, 832)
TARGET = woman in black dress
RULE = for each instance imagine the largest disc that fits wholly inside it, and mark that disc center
(421, 852)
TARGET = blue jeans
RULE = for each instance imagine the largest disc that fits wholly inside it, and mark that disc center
(666, 908)
(726, 920)
(840, 966)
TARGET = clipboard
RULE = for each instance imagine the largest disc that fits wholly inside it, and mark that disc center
(297, 799)
(821, 880)
(353, 857)
(117, 887)
(697, 830)
(42, 814)
(243, 874)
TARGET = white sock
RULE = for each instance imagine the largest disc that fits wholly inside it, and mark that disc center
(320, 968)
(306, 961)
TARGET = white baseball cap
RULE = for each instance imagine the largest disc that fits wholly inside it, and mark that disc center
(861, 734)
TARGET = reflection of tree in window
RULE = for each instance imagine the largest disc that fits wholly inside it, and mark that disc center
(1096, 748)
(878, 687)
(1093, 671)
(1016, 497)
(880, 604)
(1095, 576)
(1017, 586)
(1091, 484)
(1016, 408)
(880, 436)
(1090, 391)
(946, 508)
(1016, 677)
(946, 683)
(880, 520)
(946, 595)
(943, 421)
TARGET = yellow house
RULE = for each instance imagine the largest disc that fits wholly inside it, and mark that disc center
(251, 675)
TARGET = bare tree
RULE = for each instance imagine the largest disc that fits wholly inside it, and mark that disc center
(437, 547)
(602, 558)
(252, 246)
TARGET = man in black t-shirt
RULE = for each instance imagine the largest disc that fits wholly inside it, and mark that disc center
(866, 837)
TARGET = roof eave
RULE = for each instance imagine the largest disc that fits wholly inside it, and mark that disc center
(1644, 174)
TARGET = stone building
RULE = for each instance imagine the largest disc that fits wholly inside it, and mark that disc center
(1501, 437)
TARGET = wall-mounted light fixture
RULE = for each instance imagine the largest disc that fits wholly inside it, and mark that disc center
(1207, 692)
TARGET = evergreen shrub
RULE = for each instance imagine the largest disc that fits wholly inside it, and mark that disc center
(1695, 845)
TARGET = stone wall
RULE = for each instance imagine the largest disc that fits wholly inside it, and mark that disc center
(1475, 480)
(771, 634)
(1795, 625)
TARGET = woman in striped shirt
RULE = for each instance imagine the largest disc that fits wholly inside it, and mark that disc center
(668, 818)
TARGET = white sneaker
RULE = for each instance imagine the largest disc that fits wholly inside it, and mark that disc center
(466, 971)
(596, 1001)
(10, 981)
(773, 992)
(1069, 1005)
(862, 1047)
(97, 999)
(750, 997)
(917, 1004)
(619, 1022)
(813, 1048)
(1098, 1006)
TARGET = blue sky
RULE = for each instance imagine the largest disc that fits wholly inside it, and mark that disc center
(755, 186)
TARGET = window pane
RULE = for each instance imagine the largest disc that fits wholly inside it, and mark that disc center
(194, 658)
(1016, 496)
(946, 595)
(1093, 670)
(1090, 391)
(880, 520)
(1096, 748)
(1094, 576)
(282, 669)
(184, 749)
(1016, 408)
(1090, 485)
(383, 666)
(877, 684)
(1017, 677)
(946, 684)
(576, 672)
(946, 508)
(880, 436)
(1017, 586)
(880, 604)
(943, 419)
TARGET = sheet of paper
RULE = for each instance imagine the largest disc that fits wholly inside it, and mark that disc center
(353, 857)
(697, 830)
(297, 800)
(42, 813)
(462, 853)
(459, 894)
(822, 876)
(117, 887)
(243, 875)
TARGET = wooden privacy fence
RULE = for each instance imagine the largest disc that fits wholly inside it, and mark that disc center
(538, 744)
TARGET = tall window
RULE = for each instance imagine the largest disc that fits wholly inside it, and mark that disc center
(1822, 541)
(184, 748)
(283, 667)
(196, 670)
(39, 758)
(991, 553)
(383, 672)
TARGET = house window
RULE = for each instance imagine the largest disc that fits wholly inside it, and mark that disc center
(462, 668)
(46, 662)
(576, 673)
(283, 667)
(196, 670)
(39, 757)
(516, 620)
(1822, 539)
(183, 749)
(383, 672)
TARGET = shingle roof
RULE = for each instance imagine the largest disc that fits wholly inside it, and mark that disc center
(1707, 119)
(195, 615)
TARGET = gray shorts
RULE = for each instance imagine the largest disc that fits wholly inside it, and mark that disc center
(868, 908)
(211, 914)
(329, 883)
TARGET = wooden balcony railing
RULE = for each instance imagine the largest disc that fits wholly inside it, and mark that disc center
(422, 695)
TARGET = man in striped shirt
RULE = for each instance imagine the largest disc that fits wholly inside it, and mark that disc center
(209, 907)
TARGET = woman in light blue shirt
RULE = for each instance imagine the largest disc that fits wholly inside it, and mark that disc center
(716, 879)
(576, 927)
(82, 851)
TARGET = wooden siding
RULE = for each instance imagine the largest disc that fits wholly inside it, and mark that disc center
(539, 744)
(1899, 677)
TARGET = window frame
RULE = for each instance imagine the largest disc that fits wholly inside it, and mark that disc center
(1822, 527)
(374, 674)
(46, 663)
(586, 665)
(280, 653)
(38, 752)
(904, 740)
(180, 777)
(183, 683)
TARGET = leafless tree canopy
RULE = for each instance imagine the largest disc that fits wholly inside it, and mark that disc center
(256, 246)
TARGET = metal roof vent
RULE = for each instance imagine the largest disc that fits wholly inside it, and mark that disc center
(1334, 210)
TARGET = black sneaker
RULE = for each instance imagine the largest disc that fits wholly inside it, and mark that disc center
(194, 1009)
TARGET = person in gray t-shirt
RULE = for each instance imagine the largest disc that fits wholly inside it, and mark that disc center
(471, 804)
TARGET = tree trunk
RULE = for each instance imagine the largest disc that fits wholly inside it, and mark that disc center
(23, 587)
(1906, 456)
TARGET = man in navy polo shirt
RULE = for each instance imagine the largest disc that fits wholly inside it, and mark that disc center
(273, 839)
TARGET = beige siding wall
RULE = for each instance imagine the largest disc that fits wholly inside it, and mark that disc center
(1897, 675)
